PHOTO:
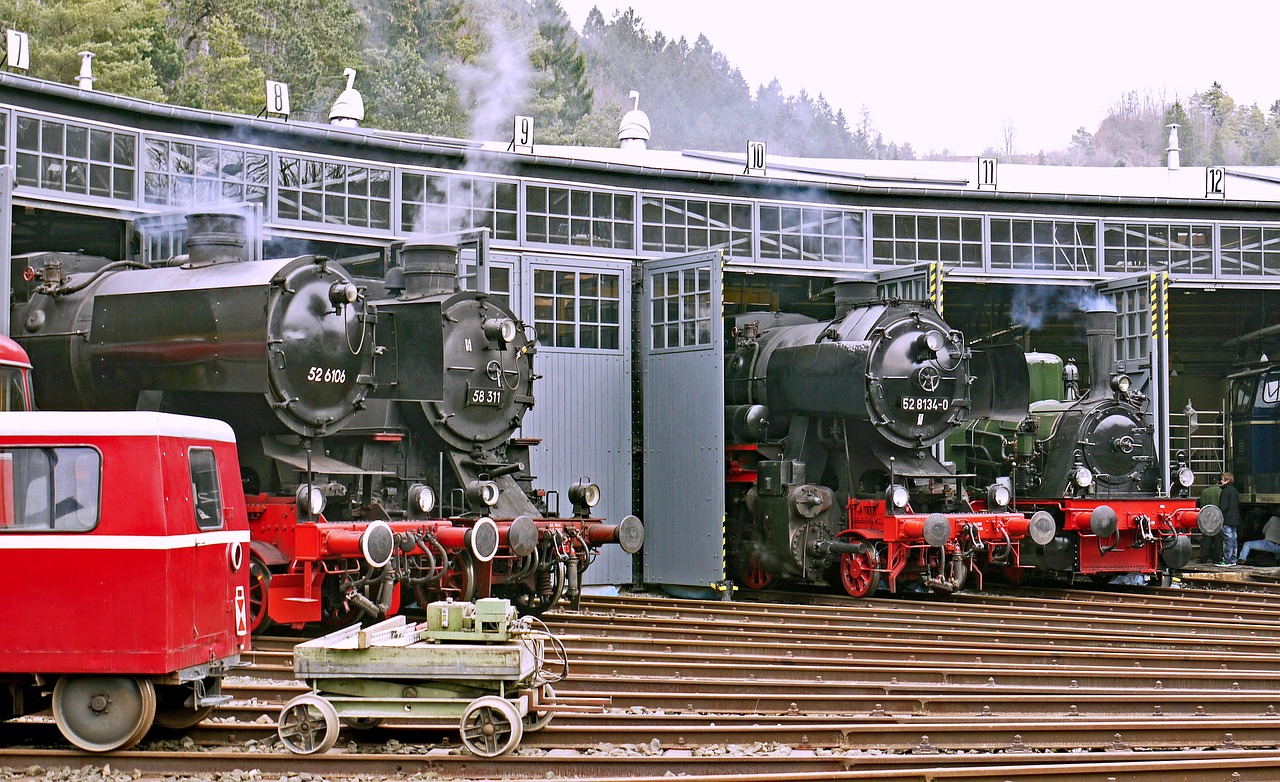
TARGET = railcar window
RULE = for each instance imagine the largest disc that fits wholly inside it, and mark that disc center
(1268, 390)
(49, 488)
(1242, 399)
(206, 496)
(13, 389)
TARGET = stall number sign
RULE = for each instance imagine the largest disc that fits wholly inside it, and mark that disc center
(1215, 182)
(755, 158)
(277, 97)
(18, 49)
(522, 135)
(986, 173)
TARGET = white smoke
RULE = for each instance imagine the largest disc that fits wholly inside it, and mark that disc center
(1033, 306)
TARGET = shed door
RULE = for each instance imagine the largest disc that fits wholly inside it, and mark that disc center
(682, 348)
(1142, 344)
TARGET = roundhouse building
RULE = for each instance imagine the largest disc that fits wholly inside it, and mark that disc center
(624, 259)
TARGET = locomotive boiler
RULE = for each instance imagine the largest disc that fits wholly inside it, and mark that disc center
(831, 472)
(1090, 460)
(360, 405)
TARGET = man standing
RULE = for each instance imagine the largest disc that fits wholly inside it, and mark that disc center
(1229, 502)
(1210, 545)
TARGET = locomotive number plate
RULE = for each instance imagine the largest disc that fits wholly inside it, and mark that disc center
(925, 404)
(485, 397)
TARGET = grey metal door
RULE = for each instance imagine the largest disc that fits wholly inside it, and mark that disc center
(682, 348)
(1142, 345)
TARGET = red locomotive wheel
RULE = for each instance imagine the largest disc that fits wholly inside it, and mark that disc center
(858, 574)
(755, 575)
(259, 585)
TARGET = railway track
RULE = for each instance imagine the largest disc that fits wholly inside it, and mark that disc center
(1069, 685)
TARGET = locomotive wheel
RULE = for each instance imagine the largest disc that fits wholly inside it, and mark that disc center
(259, 586)
(491, 726)
(104, 713)
(335, 610)
(531, 603)
(172, 713)
(459, 582)
(858, 574)
(754, 574)
(535, 721)
(308, 724)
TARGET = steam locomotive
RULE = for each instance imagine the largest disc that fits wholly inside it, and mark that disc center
(831, 476)
(359, 405)
(1090, 461)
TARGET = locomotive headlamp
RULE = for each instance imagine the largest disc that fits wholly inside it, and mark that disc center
(998, 496)
(343, 293)
(1186, 477)
(310, 499)
(898, 496)
(483, 493)
(500, 329)
(1121, 383)
(584, 495)
(1083, 477)
(929, 344)
(422, 498)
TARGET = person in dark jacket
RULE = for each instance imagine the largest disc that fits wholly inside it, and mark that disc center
(1229, 502)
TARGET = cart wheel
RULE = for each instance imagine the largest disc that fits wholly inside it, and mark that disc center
(535, 721)
(308, 724)
(491, 726)
(104, 713)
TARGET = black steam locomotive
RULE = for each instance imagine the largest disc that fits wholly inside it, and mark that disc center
(1091, 462)
(358, 406)
(831, 472)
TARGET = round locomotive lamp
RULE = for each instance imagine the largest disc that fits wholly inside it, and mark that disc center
(1083, 477)
(898, 496)
(341, 293)
(422, 498)
(1121, 383)
(1186, 477)
(482, 493)
(500, 329)
(584, 495)
(998, 496)
(310, 499)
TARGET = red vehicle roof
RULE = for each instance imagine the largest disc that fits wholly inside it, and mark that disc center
(12, 354)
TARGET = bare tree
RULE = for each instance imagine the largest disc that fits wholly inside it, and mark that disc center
(1009, 132)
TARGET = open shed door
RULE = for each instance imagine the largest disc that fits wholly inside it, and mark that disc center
(1142, 346)
(921, 282)
(682, 348)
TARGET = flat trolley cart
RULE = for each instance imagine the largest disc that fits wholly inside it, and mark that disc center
(476, 663)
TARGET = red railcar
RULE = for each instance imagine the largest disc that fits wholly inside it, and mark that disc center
(125, 539)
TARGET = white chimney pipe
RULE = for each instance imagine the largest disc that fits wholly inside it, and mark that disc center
(348, 109)
(85, 79)
(1175, 154)
(633, 131)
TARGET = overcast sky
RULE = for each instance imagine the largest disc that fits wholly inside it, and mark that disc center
(953, 74)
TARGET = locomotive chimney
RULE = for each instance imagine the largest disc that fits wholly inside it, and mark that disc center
(429, 269)
(850, 292)
(1100, 332)
(214, 237)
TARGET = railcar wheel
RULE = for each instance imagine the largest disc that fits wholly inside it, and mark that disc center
(308, 724)
(362, 723)
(858, 572)
(259, 586)
(104, 713)
(491, 726)
(537, 720)
(172, 713)
(754, 574)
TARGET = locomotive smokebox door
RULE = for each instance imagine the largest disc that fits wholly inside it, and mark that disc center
(409, 328)
(1001, 383)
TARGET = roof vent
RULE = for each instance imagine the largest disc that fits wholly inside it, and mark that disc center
(348, 109)
(633, 133)
(85, 79)
(1175, 154)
